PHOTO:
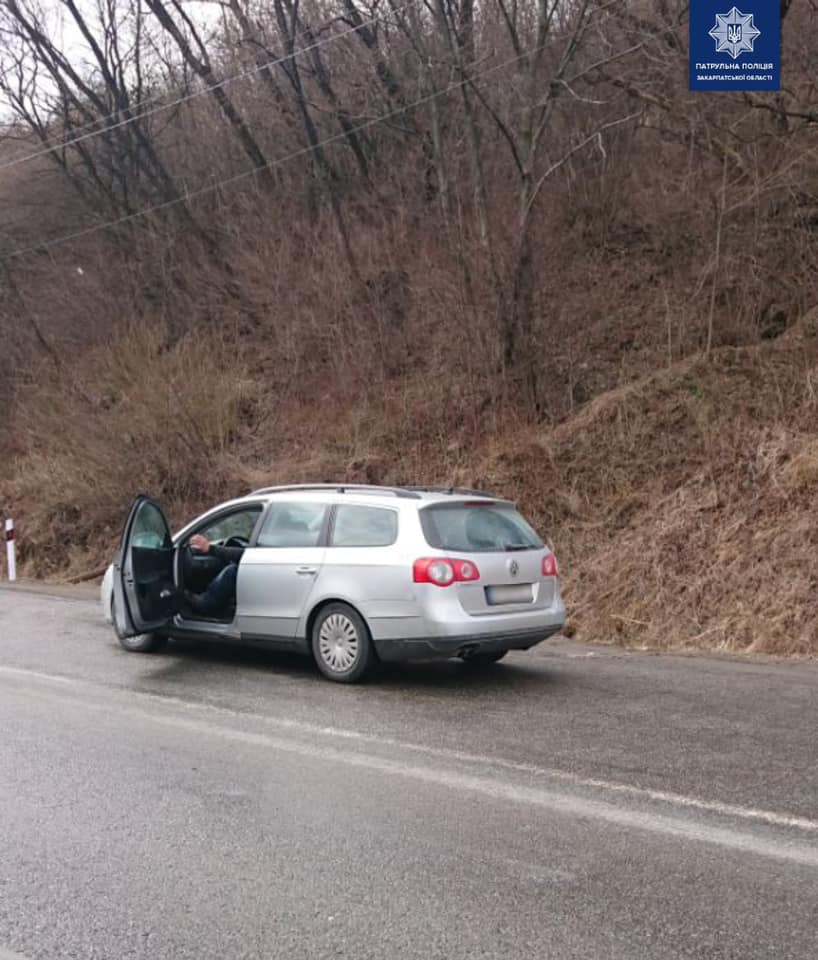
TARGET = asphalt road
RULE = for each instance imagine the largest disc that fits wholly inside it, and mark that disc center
(573, 802)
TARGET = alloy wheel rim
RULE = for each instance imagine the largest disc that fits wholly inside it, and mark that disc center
(338, 643)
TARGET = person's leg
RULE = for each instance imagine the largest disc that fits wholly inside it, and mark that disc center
(223, 587)
(221, 590)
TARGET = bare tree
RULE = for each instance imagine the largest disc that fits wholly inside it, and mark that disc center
(103, 145)
(194, 51)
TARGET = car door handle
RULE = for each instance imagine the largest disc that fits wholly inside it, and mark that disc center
(306, 571)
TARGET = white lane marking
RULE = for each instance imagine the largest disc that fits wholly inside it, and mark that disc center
(500, 790)
(35, 675)
(444, 753)
(493, 788)
(10, 955)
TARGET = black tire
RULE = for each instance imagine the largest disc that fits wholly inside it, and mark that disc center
(485, 659)
(141, 643)
(341, 644)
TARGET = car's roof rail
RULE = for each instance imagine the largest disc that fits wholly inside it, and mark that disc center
(455, 491)
(339, 488)
(411, 492)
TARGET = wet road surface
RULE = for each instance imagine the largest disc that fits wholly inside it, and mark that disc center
(214, 801)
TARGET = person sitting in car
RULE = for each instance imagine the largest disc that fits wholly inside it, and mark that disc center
(221, 592)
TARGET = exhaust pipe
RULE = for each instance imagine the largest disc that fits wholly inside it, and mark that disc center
(468, 650)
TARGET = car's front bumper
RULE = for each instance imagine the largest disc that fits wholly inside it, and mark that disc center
(106, 594)
(462, 645)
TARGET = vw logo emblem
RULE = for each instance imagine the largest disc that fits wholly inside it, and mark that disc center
(513, 568)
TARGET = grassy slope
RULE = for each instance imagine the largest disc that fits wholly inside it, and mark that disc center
(680, 504)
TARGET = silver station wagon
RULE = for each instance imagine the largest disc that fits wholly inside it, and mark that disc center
(348, 574)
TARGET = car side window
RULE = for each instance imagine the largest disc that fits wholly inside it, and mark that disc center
(290, 524)
(239, 524)
(364, 526)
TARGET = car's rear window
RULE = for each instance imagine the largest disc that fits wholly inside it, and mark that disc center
(475, 528)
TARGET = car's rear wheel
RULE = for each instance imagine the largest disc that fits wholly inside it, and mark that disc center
(141, 643)
(341, 643)
(484, 659)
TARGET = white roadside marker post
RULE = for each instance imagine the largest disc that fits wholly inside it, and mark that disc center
(11, 560)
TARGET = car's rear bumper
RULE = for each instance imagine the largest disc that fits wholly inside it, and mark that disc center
(442, 648)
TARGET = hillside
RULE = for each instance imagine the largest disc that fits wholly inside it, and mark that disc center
(446, 247)
(680, 505)
(683, 503)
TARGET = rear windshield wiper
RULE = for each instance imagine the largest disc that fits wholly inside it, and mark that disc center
(517, 546)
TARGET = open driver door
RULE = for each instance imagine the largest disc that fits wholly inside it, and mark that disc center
(144, 588)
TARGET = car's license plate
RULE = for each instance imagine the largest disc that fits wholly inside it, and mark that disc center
(510, 593)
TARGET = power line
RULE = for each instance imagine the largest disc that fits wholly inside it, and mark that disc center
(180, 100)
(229, 181)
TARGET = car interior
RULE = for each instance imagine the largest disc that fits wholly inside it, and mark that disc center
(197, 570)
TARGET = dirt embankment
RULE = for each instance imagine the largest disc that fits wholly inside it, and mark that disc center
(681, 505)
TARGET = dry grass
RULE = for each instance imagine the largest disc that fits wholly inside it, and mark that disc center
(137, 415)
(681, 505)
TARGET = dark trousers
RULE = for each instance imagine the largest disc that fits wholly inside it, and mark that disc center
(222, 589)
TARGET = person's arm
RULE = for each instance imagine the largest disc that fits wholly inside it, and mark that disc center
(228, 554)
(202, 545)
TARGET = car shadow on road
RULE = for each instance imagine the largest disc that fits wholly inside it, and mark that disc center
(455, 676)
(185, 660)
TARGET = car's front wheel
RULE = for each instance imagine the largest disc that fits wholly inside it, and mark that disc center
(141, 643)
(341, 644)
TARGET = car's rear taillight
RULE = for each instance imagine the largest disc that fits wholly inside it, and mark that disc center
(435, 570)
(465, 570)
(549, 566)
(442, 571)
